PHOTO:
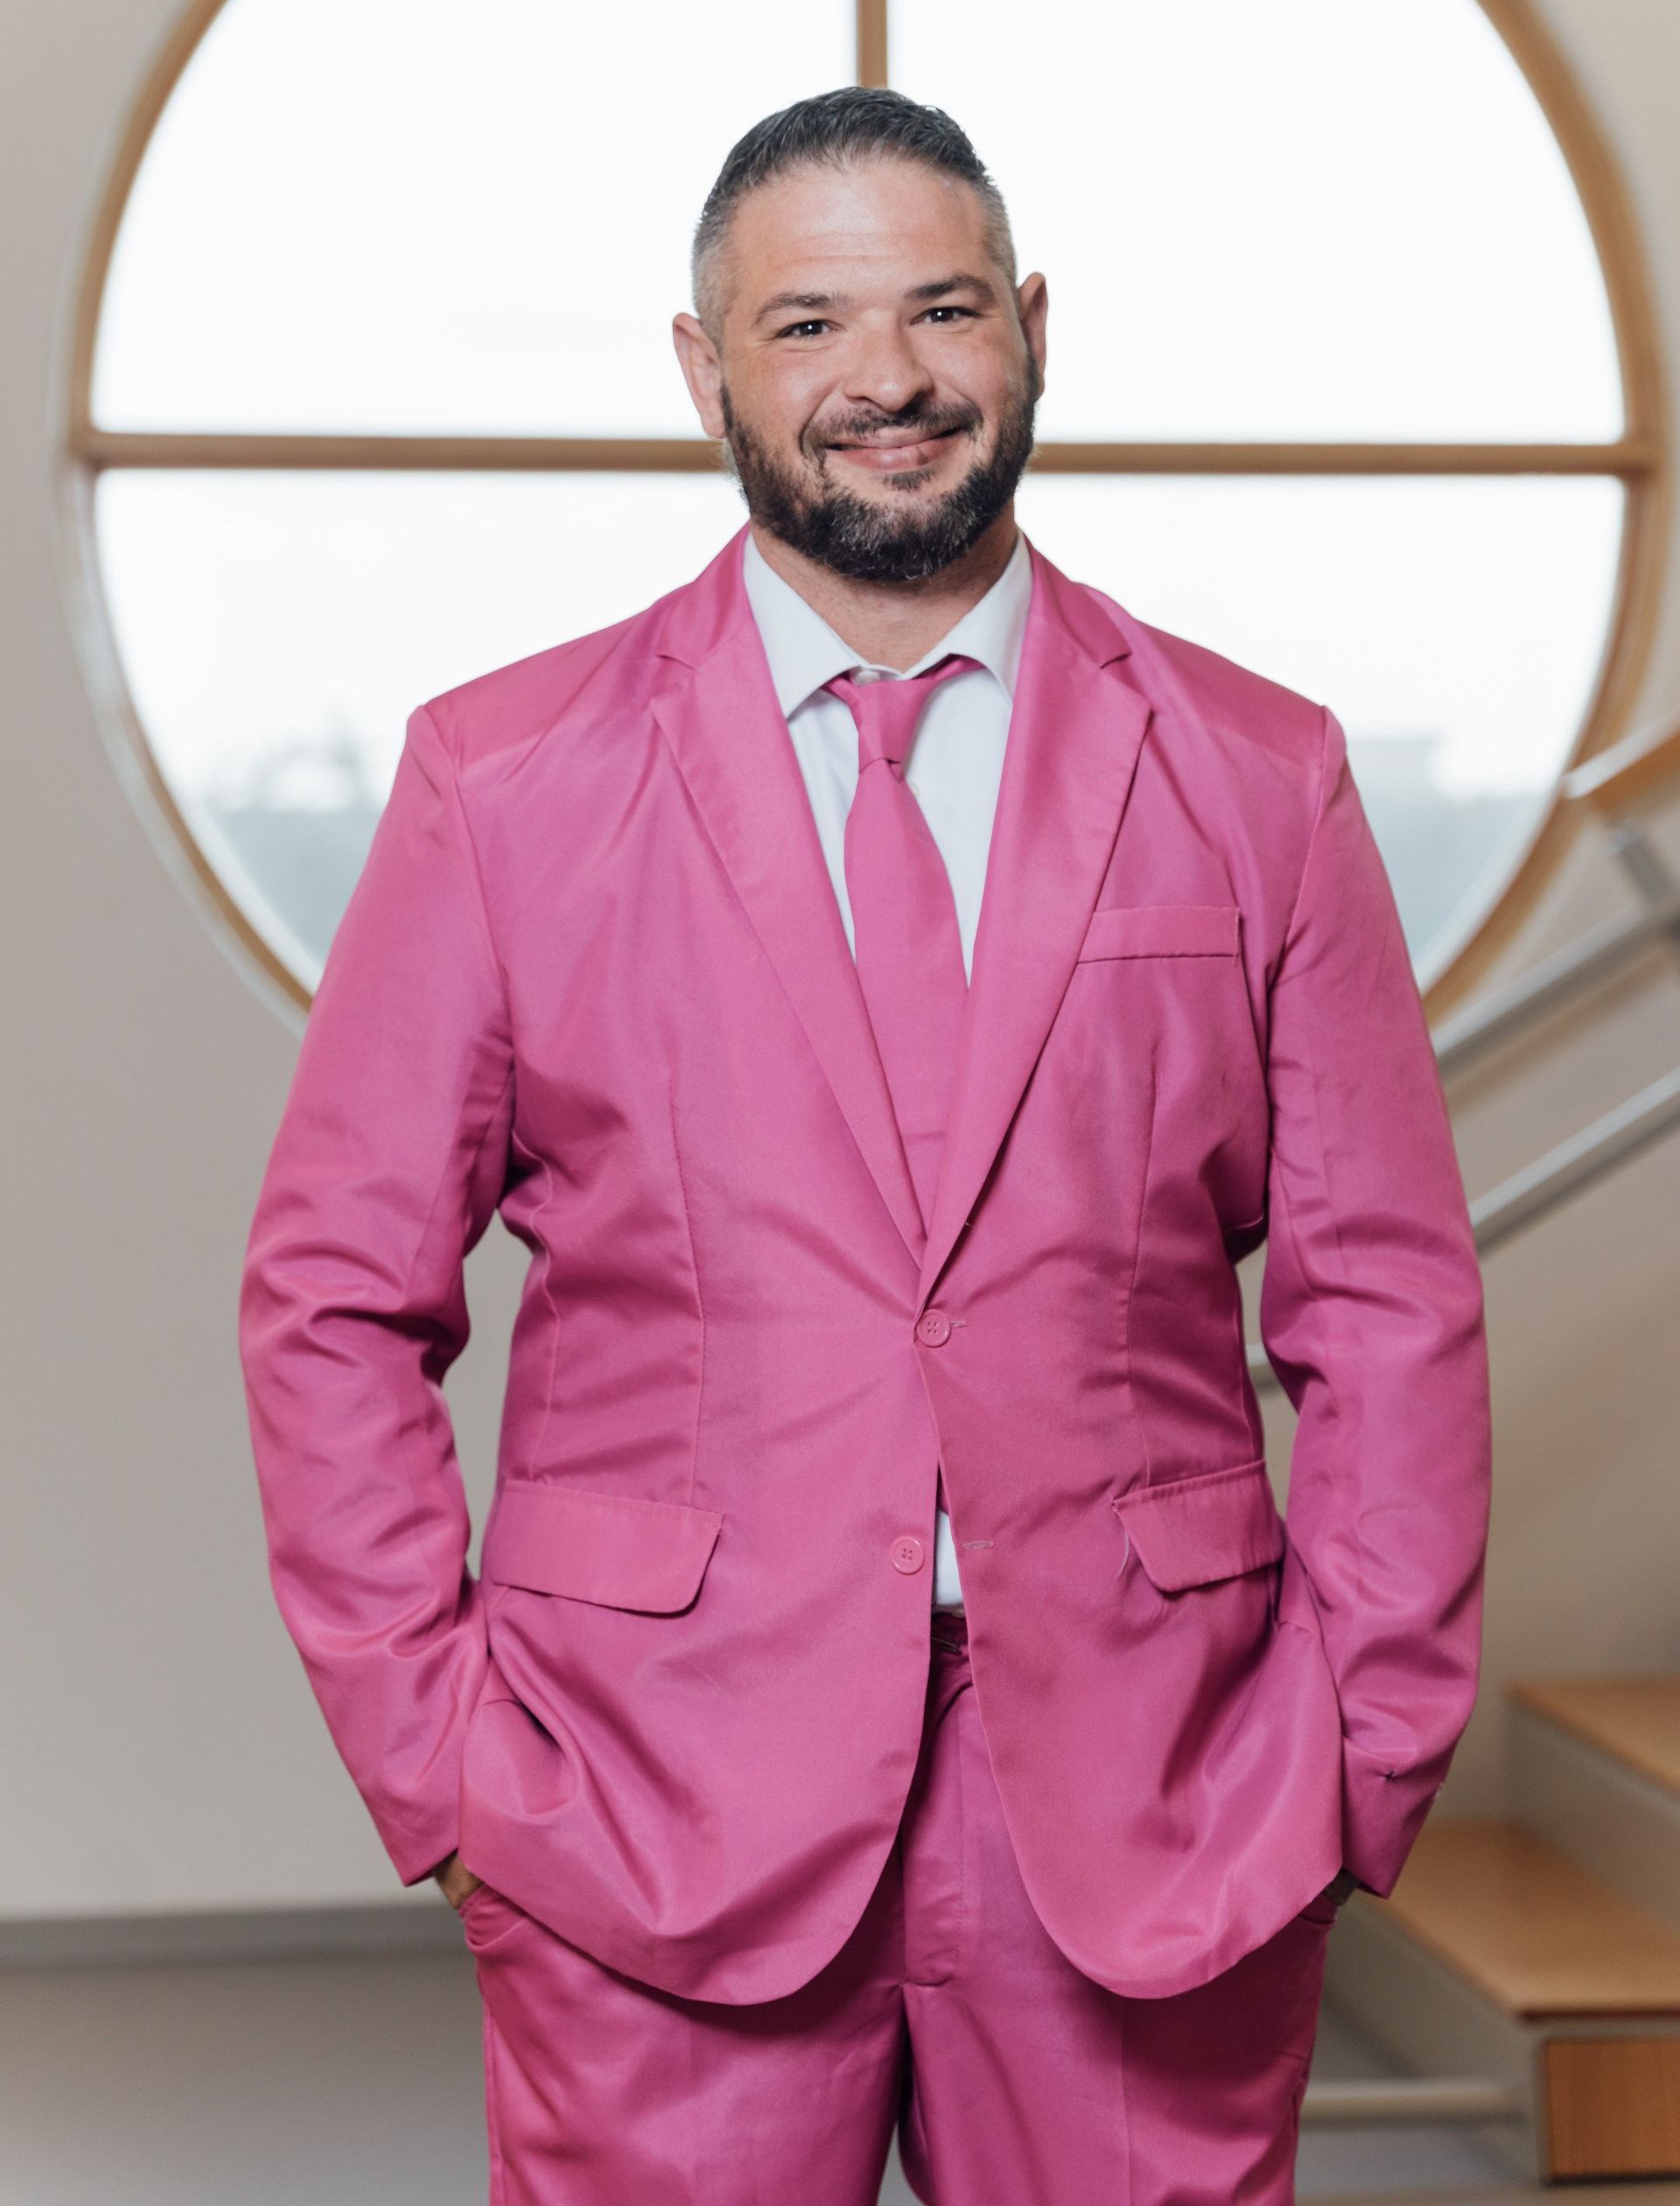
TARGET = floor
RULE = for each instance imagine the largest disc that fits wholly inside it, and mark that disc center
(357, 2082)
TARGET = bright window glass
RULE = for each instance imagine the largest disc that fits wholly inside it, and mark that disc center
(278, 628)
(1311, 219)
(1308, 221)
(1453, 625)
(406, 216)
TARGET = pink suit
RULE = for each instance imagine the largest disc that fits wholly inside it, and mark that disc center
(594, 976)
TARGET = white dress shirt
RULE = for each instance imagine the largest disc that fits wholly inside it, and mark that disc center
(954, 768)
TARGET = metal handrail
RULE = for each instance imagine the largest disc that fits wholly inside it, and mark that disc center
(1585, 1157)
(1632, 1126)
(1616, 783)
(1387, 2101)
(1503, 1013)
(1620, 779)
(1548, 1183)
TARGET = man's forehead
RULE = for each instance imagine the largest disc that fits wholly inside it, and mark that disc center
(860, 208)
(819, 238)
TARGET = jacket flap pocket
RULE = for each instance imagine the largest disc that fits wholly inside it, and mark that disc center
(1188, 1531)
(615, 1549)
(1162, 930)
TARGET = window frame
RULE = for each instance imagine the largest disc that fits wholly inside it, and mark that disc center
(1641, 460)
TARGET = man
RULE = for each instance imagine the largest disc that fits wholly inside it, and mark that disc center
(891, 1691)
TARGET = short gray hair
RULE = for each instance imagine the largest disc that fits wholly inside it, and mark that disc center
(853, 123)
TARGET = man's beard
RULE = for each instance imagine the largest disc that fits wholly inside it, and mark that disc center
(894, 541)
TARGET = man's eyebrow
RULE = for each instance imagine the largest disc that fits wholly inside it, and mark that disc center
(819, 302)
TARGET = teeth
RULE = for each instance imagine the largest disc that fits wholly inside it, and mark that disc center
(854, 444)
(903, 447)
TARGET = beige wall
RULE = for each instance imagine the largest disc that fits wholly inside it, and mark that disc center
(159, 1745)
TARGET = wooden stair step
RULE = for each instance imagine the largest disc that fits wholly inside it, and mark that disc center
(1636, 1720)
(1534, 1932)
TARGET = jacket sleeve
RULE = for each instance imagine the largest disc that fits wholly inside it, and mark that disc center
(1371, 1314)
(389, 1162)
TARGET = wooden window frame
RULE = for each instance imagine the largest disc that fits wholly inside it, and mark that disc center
(1641, 460)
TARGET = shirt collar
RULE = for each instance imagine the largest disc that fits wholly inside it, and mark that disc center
(804, 652)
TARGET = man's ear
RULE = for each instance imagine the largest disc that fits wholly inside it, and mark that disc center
(701, 370)
(1032, 310)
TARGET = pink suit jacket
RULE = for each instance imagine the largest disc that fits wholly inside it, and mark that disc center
(593, 977)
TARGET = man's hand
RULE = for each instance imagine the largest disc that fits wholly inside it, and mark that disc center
(457, 1881)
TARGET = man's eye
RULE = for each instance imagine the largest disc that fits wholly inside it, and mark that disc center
(795, 328)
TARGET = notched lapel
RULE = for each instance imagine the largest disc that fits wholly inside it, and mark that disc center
(721, 717)
(1077, 726)
(1075, 729)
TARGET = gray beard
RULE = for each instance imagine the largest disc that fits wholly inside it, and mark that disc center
(867, 542)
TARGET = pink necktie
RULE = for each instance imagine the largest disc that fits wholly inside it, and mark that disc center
(909, 947)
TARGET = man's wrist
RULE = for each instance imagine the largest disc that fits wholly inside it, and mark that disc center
(455, 1881)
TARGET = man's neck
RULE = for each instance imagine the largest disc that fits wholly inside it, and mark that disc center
(892, 624)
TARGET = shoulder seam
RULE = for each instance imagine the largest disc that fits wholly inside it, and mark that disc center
(454, 796)
(1324, 720)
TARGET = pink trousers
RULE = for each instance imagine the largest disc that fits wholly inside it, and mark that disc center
(1013, 2079)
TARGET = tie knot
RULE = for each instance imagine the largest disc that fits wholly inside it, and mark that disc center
(887, 710)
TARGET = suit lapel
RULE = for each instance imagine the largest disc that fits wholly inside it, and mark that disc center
(722, 718)
(1075, 728)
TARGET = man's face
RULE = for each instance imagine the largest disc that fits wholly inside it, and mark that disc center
(875, 385)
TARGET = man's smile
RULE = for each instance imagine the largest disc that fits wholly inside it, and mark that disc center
(896, 450)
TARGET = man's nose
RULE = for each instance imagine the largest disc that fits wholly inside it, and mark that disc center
(884, 371)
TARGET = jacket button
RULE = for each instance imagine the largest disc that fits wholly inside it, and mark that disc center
(934, 1327)
(906, 1553)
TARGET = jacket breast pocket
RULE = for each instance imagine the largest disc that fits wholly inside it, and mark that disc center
(616, 1550)
(1162, 930)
